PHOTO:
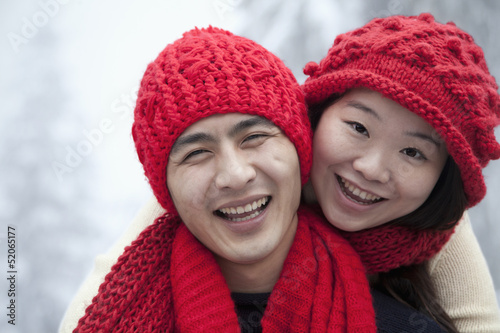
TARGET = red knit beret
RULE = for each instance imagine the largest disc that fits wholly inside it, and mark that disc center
(434, 70)
(206, 72)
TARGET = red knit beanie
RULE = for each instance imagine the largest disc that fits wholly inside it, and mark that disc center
(206, 72)
(434, 70)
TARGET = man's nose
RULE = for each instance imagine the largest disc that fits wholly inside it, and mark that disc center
(234, 170)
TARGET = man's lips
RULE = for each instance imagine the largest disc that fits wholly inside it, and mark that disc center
(244, 212)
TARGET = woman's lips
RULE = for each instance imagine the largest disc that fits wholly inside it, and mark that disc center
(356, 194)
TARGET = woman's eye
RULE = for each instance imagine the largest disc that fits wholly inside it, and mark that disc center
(414, 153)
(358, 127)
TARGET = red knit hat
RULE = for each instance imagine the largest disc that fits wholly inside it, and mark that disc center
(206, 72)
(434, 70)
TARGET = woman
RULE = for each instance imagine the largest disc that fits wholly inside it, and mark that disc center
(403, 111)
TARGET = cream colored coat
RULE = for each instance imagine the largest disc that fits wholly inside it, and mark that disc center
(459, 272)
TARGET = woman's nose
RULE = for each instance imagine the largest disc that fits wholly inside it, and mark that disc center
(374, 166)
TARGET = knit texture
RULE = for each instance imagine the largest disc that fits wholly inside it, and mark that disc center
(434, 70)
(136, 295)
(387, 247)
(167, 281)
(206, 72)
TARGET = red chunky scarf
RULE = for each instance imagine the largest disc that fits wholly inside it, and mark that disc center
(388, 247)
(167, 281)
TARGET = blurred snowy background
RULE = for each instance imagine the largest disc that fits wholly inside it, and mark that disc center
(70, 181)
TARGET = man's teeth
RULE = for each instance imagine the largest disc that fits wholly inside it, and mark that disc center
(357, 192)
(245, 209)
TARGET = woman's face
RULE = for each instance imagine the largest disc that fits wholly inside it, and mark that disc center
(373, 160)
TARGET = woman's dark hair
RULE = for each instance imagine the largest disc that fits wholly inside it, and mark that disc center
(315, 111)
(412, 285)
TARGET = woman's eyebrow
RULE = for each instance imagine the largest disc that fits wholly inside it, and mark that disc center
(247, 123)
(425, 137)
(190, 139)
(362, 107)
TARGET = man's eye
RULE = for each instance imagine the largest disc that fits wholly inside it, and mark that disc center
(254, 137)
(194, 153)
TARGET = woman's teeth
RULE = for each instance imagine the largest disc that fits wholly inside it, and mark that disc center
(354, 191)
(254, 208)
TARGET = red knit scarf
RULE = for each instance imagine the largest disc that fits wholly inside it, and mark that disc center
(388, 247)
(167, 281)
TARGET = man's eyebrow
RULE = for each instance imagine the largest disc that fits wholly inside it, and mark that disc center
(205, 137)
(189, 139)
(425, 137)
(362, 107)
(247, 123)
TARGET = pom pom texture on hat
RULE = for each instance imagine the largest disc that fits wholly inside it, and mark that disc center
(206, 72)
(434, 70)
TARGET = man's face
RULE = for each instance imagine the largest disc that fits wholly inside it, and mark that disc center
(235, 181)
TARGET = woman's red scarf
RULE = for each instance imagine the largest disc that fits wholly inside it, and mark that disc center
(388, 247)
(167, 281)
